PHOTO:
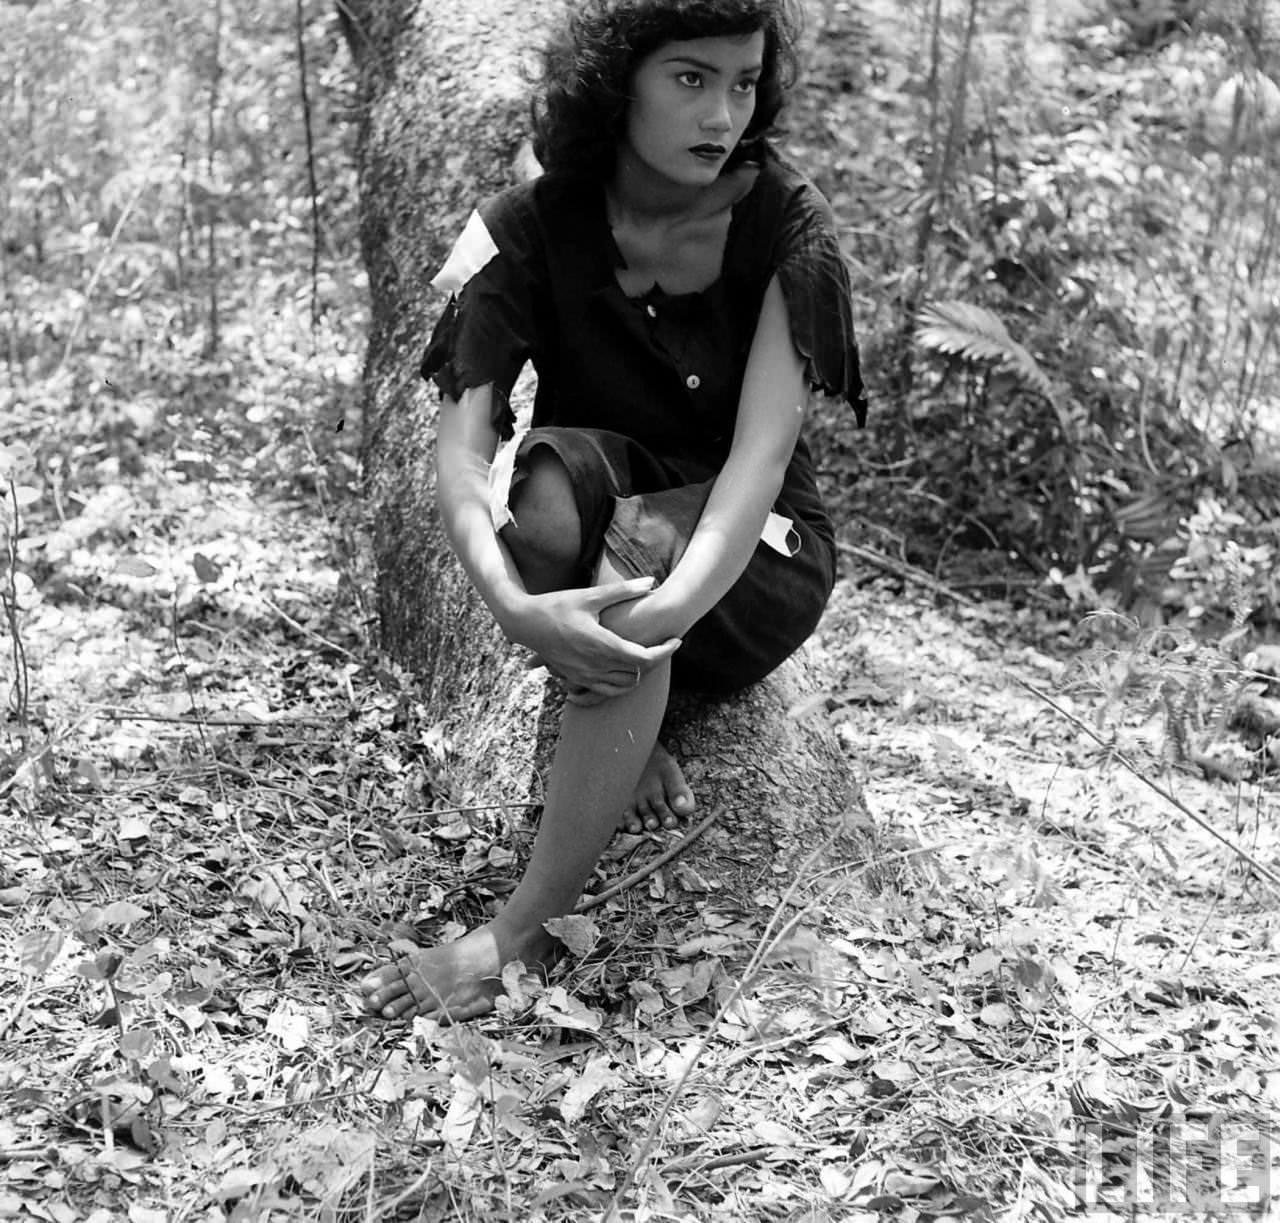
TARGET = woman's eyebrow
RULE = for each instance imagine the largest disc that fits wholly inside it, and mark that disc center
(713, 69)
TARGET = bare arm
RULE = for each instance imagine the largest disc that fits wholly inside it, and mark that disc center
(561, 627)
(770, 413)
(466, 442)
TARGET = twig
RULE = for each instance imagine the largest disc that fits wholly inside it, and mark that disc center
(30, 1152)
(288, 1106)
(210, 168)
(321, 875)
(411, 817)
(1265, 871)
(306, 632)
(645, 871)
(20, 693)
(301, 45)
(181, 719)
(903, 570)
(692, 1165)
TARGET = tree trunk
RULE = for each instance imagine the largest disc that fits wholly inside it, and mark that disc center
(444, 120)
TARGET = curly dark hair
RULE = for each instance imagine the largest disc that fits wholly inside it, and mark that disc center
(581, 105)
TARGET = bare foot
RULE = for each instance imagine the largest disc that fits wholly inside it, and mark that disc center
(662, 795)
(454, 981)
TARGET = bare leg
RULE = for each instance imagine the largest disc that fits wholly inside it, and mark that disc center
(460, 980)
(545, 548)
(601, 753)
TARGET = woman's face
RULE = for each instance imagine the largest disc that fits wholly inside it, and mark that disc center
(690, 103)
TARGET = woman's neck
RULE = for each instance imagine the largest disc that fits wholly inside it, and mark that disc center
(638, 195)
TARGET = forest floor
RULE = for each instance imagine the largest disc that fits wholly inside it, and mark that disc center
(1049, 991)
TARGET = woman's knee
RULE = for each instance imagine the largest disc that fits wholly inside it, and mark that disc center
(546, 532)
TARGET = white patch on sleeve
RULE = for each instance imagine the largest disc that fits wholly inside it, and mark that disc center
(503, 467)
(780, 534)
(501, 471)
(471, 252)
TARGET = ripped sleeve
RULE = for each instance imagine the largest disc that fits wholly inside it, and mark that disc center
(495, 318)
(814, 278)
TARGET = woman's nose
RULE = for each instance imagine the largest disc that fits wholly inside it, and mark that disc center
(718, 119)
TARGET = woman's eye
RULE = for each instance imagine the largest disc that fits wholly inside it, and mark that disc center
(745, 86)
(692, 79)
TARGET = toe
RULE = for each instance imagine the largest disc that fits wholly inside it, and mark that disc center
(397, 989)
(407, 1004)
(640, 816)
(660, 814)
(416, 996)
(383, 987)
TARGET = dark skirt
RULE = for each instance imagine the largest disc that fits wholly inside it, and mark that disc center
(644, 509)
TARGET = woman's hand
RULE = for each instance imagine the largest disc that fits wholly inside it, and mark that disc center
(563, 629)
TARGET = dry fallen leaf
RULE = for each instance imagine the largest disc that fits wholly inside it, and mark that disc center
(576, 931)
(598, 1075)
(775, 1133)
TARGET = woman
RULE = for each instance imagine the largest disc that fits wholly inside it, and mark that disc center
(680, 292)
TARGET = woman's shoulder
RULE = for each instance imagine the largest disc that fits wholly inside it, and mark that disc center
(779, 174)
(536, 219)
(537, 201)
(783, 213)
(513, 208)
(523, 223)
(782, 189)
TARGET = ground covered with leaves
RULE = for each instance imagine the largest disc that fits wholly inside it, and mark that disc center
(1052, 983)
(1045, 987)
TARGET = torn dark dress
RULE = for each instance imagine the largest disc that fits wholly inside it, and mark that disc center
(638, 395)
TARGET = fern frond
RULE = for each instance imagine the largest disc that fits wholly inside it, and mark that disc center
(975, 334)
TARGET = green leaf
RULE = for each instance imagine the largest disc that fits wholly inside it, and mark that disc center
(973, 333)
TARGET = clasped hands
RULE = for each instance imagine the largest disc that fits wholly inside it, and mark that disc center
(563, 628)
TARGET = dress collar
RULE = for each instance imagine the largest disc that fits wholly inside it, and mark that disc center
(609, 257)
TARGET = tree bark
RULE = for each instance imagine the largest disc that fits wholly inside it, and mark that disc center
(444, 119)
